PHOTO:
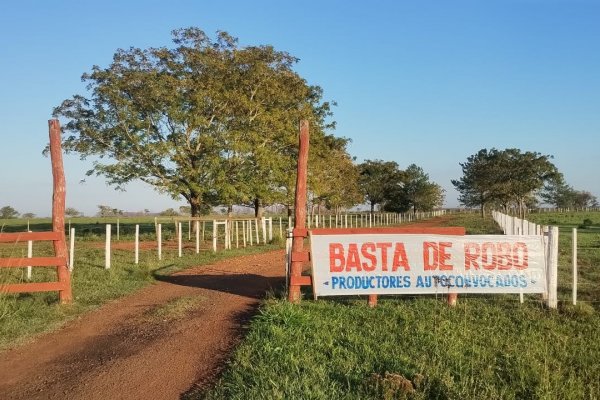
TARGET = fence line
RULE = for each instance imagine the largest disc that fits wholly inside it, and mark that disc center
(512, 225)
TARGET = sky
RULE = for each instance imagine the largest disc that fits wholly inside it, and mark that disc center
(423, 82)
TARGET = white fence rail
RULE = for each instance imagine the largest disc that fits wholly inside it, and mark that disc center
(515, 226)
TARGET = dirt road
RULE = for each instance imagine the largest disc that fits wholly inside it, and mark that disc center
(123, 351)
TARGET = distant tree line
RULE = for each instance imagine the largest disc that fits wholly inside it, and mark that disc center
(512, 179)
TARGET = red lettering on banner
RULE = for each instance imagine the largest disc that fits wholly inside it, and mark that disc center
(384, 254)
(523, 261)
(353, 260)
(435, 256)
(503, 256)
(443, 256)
(400, 259)
(430, 256)
(337, 261)
(496, 256)
(488, 255)
(471, 256)
(368, 251)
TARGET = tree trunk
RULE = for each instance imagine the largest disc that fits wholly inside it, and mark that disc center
(482, 210)
(194, 205)
(230, 211)
(372, 207)
(289, 210)
(258, 208)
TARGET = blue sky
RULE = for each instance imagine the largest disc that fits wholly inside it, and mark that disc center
(425, 82)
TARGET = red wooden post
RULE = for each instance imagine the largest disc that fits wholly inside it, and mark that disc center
(372, 300)
(452, 299)
(58, 209)
(300, 212)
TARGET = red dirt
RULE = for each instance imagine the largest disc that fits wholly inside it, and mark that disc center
(116, 353)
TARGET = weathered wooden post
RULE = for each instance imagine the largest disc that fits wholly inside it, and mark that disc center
(58, 209)
(299, 232)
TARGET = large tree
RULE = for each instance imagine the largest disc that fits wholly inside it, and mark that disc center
(333, 176)
(377, 179)
(559, 194)
(421, 194)
(207, 120)
(504, 177)
(477, 186)
(8, 212)
(416, 192)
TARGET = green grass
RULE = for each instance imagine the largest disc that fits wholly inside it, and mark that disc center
(588, 254)
(488, 347)
(480, 349)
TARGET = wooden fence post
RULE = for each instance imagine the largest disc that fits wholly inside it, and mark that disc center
(107, 247)
(179, 238)
(299, 211)
(71, 249)
(257, 230)
(137, 244)
(58, 209)
(159, 240)
(29, 255)
(553, 267)
(574, 263)
(244, 233)
(197, 223)
(214, 236)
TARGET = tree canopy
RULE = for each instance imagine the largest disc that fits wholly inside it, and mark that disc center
(207, 120)
(505, 178)
(559, 194)
(8, 212)
(378, 179)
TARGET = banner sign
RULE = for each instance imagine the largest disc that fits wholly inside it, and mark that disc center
(350, 264)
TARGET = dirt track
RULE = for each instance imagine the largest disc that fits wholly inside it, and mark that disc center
(117, 353)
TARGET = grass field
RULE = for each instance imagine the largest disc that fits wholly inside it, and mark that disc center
(487, 347)
(24, 315)
(588, 254)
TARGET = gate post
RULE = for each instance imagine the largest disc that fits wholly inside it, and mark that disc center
(58, 209)
(300, 213)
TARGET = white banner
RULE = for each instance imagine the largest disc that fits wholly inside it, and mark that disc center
(350, 264)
